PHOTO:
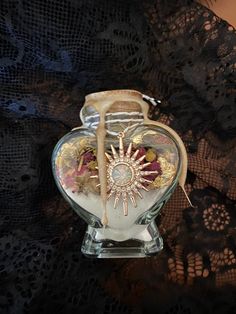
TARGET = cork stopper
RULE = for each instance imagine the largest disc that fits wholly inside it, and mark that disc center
(120, 93)
(121, 100)
(127, 106)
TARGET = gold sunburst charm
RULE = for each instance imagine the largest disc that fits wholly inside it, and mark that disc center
(125, 175)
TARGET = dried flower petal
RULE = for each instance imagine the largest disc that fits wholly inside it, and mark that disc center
(150, 155)
(142, 151)
(154, 166)
(92, 165)
(88, 156)
(82, 171)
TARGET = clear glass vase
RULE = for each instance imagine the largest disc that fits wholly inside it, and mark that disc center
(117, 171)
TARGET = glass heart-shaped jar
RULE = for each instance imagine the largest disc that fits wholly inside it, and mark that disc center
(117, 171)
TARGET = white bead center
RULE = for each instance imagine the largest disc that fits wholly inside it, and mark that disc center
(122, 174)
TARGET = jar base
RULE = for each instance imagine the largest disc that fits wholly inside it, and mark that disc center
(94, 246)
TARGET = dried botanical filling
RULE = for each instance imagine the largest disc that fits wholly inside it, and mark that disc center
(131, 169)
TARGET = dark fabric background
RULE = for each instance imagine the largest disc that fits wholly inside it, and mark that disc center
(53, 53)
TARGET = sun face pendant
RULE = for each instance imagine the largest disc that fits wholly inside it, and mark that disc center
(125, 175)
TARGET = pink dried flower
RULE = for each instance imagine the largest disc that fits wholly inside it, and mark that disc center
(68, 181)
(87, 157)
(83, 170)
(154, 166)
(68, 178)
(142, 151)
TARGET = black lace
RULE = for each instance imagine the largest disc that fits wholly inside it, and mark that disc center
(53, 53)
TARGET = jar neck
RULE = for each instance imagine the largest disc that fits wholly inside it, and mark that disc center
(115, 122)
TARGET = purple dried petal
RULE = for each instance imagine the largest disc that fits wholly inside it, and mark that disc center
(142, 151)
(87, 157)
(154, 166)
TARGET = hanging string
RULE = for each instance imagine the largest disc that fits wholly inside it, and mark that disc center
(155, 102)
